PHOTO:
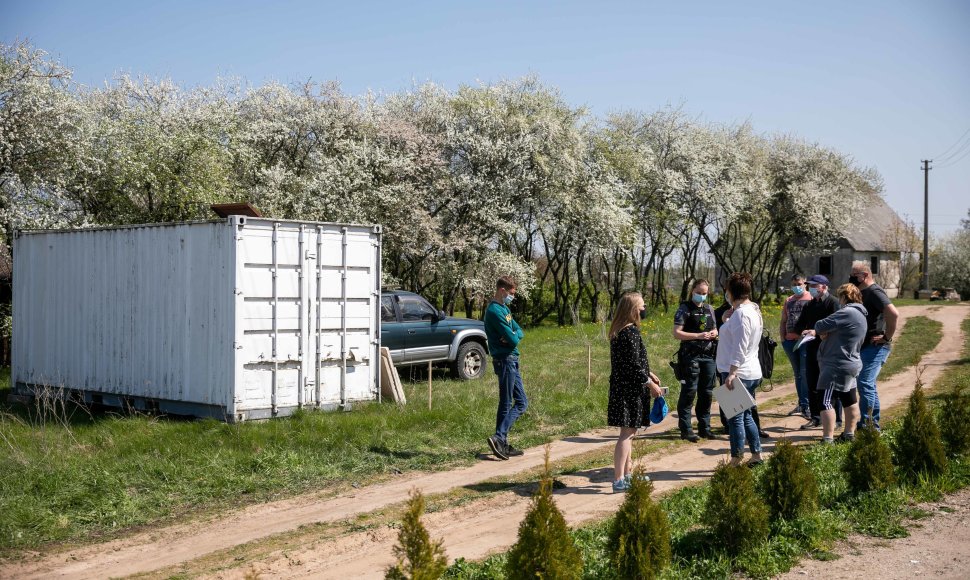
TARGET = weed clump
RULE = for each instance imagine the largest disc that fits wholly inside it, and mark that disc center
(545, 548)
(917, 448)
(735, 513)
(788, 485)
(955, 421)
(868, 466)
(418, 558)
(639, 537)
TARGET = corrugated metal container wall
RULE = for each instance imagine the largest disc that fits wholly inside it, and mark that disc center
(235, 319)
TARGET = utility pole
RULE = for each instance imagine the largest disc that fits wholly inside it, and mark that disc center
(926, 224)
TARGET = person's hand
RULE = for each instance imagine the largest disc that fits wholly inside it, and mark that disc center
(879, 339)
(808, 332)
(729, 381)
(727, 314)
(654, 378)
(654, 389)
(709, 335)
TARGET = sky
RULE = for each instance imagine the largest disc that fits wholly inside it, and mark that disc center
(887, 82)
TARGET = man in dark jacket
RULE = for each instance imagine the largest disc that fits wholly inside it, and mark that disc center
(822, 305)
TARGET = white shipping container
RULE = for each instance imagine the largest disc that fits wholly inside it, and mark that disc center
(236, 319)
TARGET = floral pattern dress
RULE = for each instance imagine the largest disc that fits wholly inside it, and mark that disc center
(629, 371)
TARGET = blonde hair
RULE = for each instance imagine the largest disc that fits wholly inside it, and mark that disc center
(627, 312)
(851, 293)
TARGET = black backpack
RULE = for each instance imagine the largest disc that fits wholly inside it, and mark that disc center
(766, 355)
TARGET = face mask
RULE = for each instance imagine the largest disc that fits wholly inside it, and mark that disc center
(813, 291)
(855, 280)
(798, 290)
(643, 314)
(699, 298)
(508, 299)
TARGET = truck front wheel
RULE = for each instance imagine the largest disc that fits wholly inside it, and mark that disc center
(470, 362)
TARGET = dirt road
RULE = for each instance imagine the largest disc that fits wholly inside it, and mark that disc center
(470, 531)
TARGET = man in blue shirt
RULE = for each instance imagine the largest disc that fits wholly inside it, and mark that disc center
(504, 335)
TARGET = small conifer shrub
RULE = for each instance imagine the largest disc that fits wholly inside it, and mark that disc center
(545, 548)
(917, 448)
(735, 513)
(639, 538)
(418, 558)
(868, 465)
(955, 421)
(787, 484)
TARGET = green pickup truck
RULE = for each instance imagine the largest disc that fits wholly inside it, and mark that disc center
(417, 333)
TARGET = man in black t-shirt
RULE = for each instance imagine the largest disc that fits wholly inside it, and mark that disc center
(881, 318)
(822, 304)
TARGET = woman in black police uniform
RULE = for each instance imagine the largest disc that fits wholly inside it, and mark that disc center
(694, 327)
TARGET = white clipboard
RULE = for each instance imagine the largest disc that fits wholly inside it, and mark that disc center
(803, 340)
(733, 401)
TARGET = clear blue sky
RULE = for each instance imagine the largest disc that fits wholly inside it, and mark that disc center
(885, 81)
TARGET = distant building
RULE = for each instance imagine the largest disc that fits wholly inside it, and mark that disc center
(867, 239)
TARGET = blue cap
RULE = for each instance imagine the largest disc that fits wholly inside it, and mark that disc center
(818, 279)
(659, 410)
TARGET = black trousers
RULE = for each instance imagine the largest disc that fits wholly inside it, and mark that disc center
(699, 382)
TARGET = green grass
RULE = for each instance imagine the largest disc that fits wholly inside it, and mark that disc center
(919, 336)
(77, 476)
(696, 553)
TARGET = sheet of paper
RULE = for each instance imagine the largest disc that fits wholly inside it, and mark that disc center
(804, 340)
(733, 401)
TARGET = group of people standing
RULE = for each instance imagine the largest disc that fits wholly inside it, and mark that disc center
(836, 344)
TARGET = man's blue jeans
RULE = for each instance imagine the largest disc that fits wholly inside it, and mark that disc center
(741, 427)
(799, 364)
(512, 401)
(873, 357)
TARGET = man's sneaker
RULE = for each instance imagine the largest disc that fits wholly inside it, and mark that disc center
(796, 411)
(708, 435)
(845, 438)
(621, 486)
(764, 434)
(812, 424)
(690, 437)
(806, 414)
(838, 425)
(512, 451)
(498, 447)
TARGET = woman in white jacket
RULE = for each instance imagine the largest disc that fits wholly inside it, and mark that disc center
(737, 357)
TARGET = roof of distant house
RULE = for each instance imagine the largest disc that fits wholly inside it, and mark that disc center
(869, 234)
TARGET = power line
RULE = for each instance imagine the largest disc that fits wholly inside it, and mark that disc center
(939, 157)
(951, 162)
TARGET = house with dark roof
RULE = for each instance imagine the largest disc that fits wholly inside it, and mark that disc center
(868, 238)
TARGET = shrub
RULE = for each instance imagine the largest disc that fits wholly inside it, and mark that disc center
(639, 537)
(955, 421)
(735, 513)
(868, 465)
(545, 548)
(418, 558)
(788, 485)
(917, 448)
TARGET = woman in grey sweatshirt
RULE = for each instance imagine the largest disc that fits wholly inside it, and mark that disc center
(839, 364)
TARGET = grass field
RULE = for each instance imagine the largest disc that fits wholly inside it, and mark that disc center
(73, 475)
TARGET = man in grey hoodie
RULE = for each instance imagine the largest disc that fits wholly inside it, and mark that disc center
(839, 362)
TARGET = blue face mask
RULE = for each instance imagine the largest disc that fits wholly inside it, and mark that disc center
(813, 291)
(643, 314)
(798, 290)
(508, 299)
(699, 298)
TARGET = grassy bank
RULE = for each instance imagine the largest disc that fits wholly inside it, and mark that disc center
(697, 554)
